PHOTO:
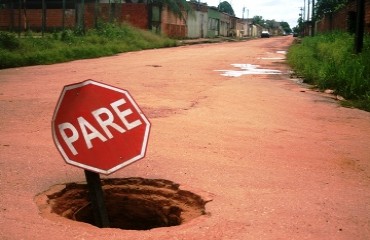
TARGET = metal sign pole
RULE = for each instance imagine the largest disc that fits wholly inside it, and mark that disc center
(97, 199)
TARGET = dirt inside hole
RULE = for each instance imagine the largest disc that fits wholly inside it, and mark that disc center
(132, 203)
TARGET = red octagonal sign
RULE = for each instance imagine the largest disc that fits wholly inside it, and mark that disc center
(99, 127)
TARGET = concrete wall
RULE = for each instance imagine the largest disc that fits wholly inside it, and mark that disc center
(135, 14)
(197, 25)
(172, 25)
(197, 21)
(204, 22)
(10, 20)
(240, 28)
(213, 23)
(225, 25)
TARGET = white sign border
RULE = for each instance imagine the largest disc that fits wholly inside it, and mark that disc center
(137, 108)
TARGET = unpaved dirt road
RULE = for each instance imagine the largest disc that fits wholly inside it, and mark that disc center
(278, 160)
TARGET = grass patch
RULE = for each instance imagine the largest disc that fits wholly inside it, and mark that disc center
(328, 62)
(67, 45)
(360, 104)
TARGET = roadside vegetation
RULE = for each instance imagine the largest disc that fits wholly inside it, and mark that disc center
(328, 62)
(67, 45)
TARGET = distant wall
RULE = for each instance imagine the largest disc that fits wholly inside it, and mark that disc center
(135, 14)
(9, 19)
(344, 19)
(197, 21)
(172, 25)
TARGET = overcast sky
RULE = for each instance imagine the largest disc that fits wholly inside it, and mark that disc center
(278, 10)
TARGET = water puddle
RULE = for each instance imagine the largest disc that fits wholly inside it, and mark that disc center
(275, 58)
(281, 52)
(247, 69)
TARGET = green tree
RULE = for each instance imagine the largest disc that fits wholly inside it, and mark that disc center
(299, 28)
(175, 6)
(328, 6)
(225, 7)
(271, 24)
(259, 20)
(286, 27)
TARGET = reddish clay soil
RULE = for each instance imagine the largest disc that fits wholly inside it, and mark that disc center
(276, 159)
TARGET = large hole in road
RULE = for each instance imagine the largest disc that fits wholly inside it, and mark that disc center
(132, 203)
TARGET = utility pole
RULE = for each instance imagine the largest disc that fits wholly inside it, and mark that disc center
(313, 19)
(19, 17)
(64, 14)
(43, 18)
(359, 38)
(308, 10)
(300, 22)
(304, 11)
